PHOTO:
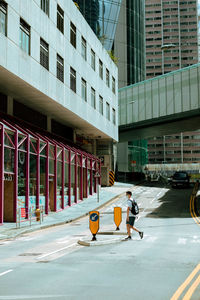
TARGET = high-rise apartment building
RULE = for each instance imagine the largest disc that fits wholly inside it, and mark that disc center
(171, 35)
(177, 148)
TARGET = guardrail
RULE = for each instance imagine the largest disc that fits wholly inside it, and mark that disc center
(33, 214)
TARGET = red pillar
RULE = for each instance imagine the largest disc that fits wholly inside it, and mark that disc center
(55, 180)
(38, 175)
(2, 175)
(81, 179)
(63, 176)
(47, 180)
(27, 175)
(91, 183)
(76, 163)
(15, 178)
(69, 184)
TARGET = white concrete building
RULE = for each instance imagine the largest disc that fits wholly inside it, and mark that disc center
(52, 62)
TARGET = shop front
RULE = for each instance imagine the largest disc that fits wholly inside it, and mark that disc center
(39, 171)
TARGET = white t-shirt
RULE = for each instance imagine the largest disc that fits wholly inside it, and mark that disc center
(129, 204)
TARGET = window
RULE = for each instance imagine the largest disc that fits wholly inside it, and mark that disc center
(73, 34)
(73, 79)
(83, 89)
(101, 105)
(84, 48)
(60, 19)
(107, 78)
(100, 69)
(108, 111)
(60, 68)
(113, 85)
(93, 59)
(113, 116)
(24, 36)
(45, 6)
(44, 54)
(93, 98)
(3, 17)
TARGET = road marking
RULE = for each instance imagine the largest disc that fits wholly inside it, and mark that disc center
(192, 289)
(56, 251)
(185, 283)
(6, 272)
(192, 210)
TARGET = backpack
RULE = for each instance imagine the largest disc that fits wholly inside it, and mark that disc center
(135, 208)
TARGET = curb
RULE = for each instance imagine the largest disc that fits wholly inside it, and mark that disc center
(67, 221)
(98, 243)
(111, 233)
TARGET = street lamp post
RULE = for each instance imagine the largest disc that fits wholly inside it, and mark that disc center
(165, 47)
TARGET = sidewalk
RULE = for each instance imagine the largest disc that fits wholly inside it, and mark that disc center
(8, 230)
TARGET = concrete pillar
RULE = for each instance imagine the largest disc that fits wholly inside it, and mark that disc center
(10, 105)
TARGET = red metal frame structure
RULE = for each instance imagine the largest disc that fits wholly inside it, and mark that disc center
(37, 168)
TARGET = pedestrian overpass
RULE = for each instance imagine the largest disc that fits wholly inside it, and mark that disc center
(163, 105)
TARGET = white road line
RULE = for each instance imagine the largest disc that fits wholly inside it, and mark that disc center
(4, 273)
(47, 254)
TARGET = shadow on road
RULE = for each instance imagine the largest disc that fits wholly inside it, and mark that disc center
(174, 204)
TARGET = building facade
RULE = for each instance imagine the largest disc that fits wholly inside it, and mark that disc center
(129, 43)
(178, 148)
(57, 88)
(171, 35)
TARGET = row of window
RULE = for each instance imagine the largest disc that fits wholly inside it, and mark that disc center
(93, 97)
(24, 42)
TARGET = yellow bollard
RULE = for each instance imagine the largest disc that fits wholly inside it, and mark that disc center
(37, 212)
(117, 216)
(94, 223)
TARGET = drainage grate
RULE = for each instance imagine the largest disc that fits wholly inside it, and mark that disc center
(30, 254)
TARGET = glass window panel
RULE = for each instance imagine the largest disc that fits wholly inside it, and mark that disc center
(101, 105)
(93, 59)
(73, 80)
(83, 89)
(32, 182)
(73, 184)
(59, 185)
(100, 69)
(9, 138)
(73, 34)
(84, 48)
(60, 19)
(3, 17)
(60, 68)
(33, 146)
(51, 151)
(24, 36)
(93, 98)
(42, 176)
(9, 156)
(66, 188)
(51, 166)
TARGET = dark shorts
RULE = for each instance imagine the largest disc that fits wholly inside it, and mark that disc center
(131, 221)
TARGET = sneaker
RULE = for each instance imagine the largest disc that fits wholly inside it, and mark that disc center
(127, 238)
(141, 234)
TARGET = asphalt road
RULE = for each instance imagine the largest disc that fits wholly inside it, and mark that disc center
(49, 264)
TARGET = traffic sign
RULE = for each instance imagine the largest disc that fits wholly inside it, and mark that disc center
(117, 216)
(94, 223)
(97, 175)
